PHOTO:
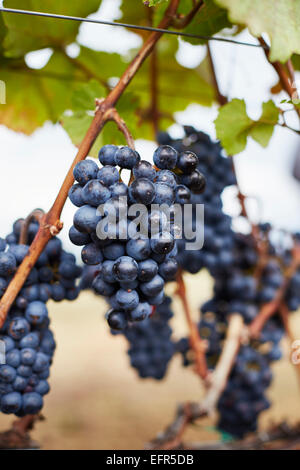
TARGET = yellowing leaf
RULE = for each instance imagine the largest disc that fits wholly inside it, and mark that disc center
(280, 19)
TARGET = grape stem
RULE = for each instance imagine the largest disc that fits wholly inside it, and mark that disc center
(269, 309)
(182, 22)
(18, 436)
(37, 214)
(285, 317)
(50, 223)
(113, 115)
(171, 437)
(197, 344)
(221, 99)
(286, 78)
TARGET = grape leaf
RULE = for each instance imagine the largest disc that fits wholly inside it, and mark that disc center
(35, 96)
(100, 65)
(262, 130)
(208, 21)
(83, 98)
(233, 125)
(173, 96)
(77, 122)
(3, 31)
(135, 13)
(28, 33)
(280, 19)
(296, 61)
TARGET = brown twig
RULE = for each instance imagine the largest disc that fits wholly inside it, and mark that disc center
(171, 437)
(37, 215)
(225, 363)
(155, 115)
(281, 70)
(197, 344)
(221, 99)
(285, 317)
(50, 223)
(279, 436)
(181, 23)
(18, 436)
(269, 309)
(113, 115)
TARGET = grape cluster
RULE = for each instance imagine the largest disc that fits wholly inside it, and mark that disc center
(236, 290)
(132, 269)
(150, 345)
(28, 342)
(244, 397)
(216, 252)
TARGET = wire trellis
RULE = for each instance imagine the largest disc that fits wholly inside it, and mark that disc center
(129, 26)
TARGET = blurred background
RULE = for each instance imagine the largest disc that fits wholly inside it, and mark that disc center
(97, 401)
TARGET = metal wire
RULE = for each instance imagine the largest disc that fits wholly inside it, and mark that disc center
(129, 26)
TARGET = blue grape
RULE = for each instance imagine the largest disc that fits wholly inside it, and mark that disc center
(85, 171)
(144, 169)
(125, 157)
(107, 155)
(165, 157)
(108, 175)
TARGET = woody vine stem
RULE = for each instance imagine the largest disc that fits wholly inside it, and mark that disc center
(50, 223)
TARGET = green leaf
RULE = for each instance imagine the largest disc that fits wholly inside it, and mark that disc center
(28, 33)
(3, 31)
(296, 61)
(36, 96)
(208, 21)
(83, 98)
(280, 20)
(135, 13)
(233, 125)
(100, 65)
(77, 122)
(178, 86)
(263, 129)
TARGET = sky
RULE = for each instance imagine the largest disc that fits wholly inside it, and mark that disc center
(33, 167)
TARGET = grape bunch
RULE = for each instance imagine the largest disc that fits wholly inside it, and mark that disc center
(150, 344)
(218, 172)
(28, 342)
(237, 290)
(132, 266)
(244, 397)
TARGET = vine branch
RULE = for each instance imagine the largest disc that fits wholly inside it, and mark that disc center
(181, 23)
(270, 308)
(51, 219)
(282, 73)
(196, 342)
(18, 436)
(171, 437)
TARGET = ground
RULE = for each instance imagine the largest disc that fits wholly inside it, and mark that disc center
(97, 401)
